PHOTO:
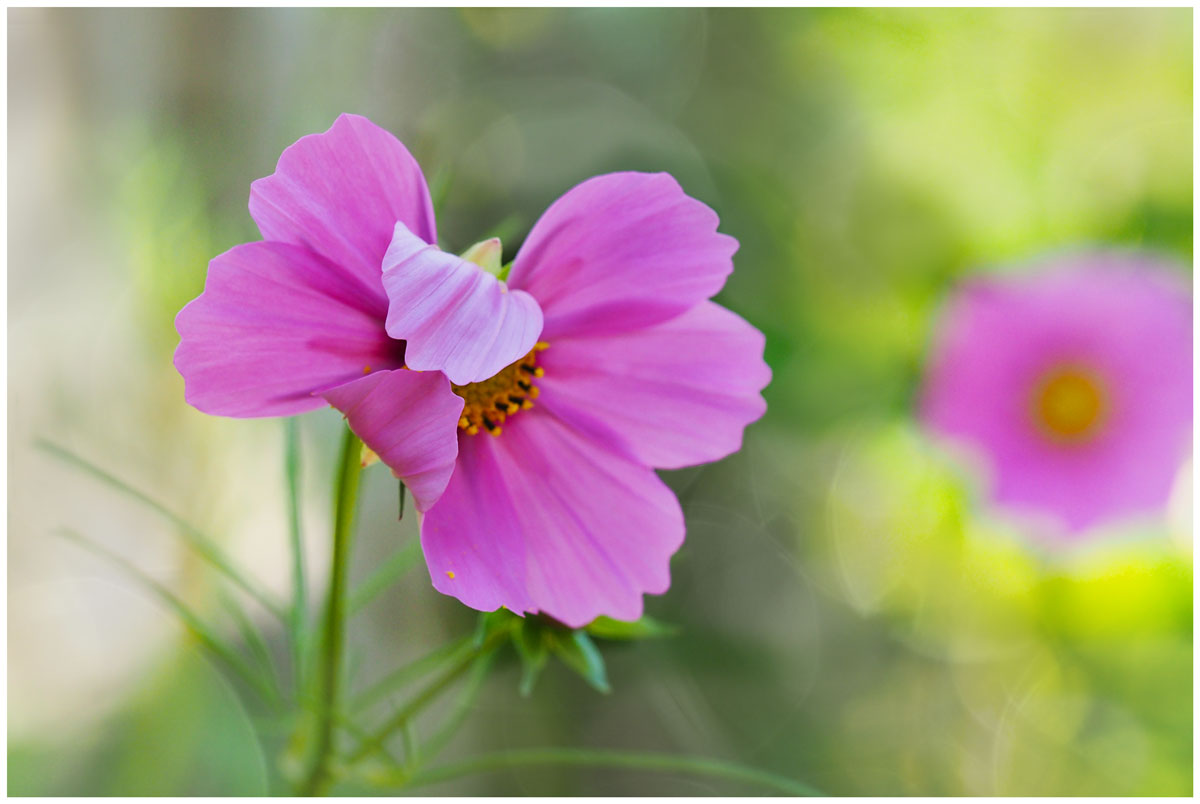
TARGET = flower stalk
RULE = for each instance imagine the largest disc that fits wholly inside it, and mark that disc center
(333, 633)
(298, 615)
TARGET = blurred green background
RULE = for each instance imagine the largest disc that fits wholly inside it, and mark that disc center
(853, 612)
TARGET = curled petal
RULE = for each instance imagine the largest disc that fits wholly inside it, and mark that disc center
(543, 520)
(456, 317)
(410, 420)
(275, 325)
(619, 252)
(677, 394)
(340, 192)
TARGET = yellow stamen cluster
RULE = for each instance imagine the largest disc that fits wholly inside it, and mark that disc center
(490, 402)
(1070, 405)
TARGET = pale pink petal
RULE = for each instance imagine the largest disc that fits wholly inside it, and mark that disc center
(410, 420)
(677, 394)
(456, 317)
(541, 519)
(275, 325)
(340, 193)
(619, 252)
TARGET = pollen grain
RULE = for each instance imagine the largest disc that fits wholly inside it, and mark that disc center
(491, 402)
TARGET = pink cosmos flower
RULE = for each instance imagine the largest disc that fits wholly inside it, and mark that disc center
(1074, 383)
(599, 359)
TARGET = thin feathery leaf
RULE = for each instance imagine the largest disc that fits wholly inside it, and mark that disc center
(205, 547)
(450, 652)
(412, 746)
(462, 707)
(192, 622)
(430, 693)
(252, 636)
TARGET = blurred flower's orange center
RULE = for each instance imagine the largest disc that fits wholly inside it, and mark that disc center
(490, 402)
(1069, 405)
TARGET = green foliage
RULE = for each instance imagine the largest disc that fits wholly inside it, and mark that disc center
(645, 628)
(850, 609)
(205, 635)
(578, 652)
(533, 648)
(537, 638)
(203, 545)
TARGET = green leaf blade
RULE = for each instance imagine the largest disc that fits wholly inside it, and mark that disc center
(204, 546)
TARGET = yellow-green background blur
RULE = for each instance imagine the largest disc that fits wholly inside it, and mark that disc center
(853, 612)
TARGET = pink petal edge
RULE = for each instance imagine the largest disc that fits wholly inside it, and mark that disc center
(542, 519)
(677, 394)
(276, 324)
(340, 192)
(620, 252)
(410, 420)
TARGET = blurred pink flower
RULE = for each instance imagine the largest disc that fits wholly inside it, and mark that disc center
(600, 355)
(1075, 384)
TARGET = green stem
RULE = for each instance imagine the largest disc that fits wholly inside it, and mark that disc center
(299, 612)
(462, 708)
(335, 613)
(599, 758)
(412, 671)
(427, 696)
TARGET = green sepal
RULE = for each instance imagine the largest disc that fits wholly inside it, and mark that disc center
(492, 621)
(578, 652)
(644, 628)
(533, 647)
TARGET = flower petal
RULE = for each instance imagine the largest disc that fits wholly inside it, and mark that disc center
(622, 251)
(1127, 319)
(542, 519)
(677, 394)
(456, 317)
(340, 193)
(276, 324)
(410, 420)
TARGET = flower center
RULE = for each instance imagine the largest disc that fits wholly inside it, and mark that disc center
(1069, 405)
(490, 402)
